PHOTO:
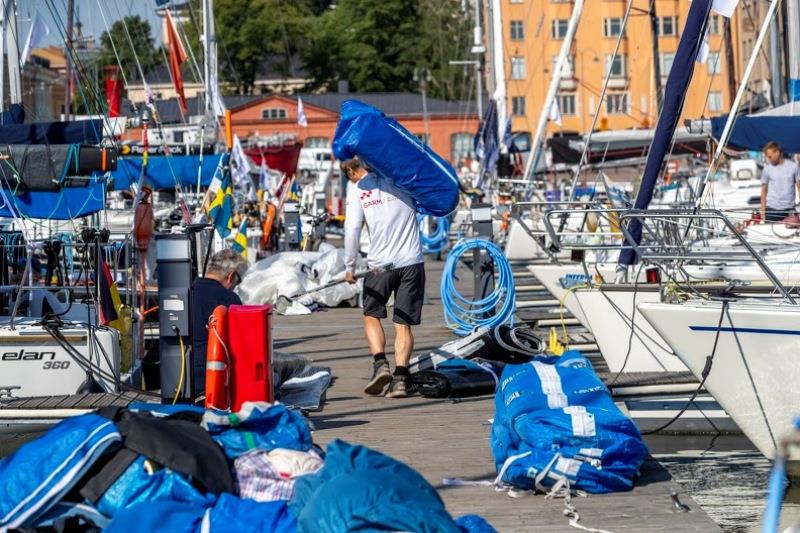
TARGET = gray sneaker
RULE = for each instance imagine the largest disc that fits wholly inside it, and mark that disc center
(381, 377)
(398, 388)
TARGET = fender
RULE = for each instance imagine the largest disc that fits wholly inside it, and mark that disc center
(218, 362)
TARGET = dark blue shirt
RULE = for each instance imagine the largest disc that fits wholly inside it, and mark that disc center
(207, 294)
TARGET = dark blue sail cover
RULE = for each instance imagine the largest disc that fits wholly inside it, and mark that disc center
(395, 154)
(163, 172)
(753, 132)
(680, 76)
(73, 132)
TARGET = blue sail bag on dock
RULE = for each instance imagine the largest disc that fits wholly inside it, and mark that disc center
(395, 154)
(555, 422)
(39, 474)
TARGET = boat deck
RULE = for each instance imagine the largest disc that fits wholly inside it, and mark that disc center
(445, 438)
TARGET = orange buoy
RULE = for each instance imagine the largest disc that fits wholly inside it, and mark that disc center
(218, 363)
(269, 223)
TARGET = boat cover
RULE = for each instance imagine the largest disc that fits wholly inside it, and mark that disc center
(73, 131)
(753, 132)
(37, 475)
(555, 422)
(352, 492)
(65, 204)
(394, 153)
(165, 171)
(455, 378)
(258, 425)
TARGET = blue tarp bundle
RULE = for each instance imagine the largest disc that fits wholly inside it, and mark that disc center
(350, 492)
(163, 171)
(66, 204)
(556, 420)
(394, 153)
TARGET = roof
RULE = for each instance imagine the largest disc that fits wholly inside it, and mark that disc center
(169, 111)
(271, 69)
(393, 104)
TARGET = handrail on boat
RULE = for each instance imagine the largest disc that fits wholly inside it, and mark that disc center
(668, 216)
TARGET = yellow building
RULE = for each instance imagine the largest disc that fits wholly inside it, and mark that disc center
(533, 35)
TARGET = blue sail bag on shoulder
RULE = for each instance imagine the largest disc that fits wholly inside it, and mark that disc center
(395, 154)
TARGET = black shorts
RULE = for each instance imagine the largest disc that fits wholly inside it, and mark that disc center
(408, 286)
(777, 215)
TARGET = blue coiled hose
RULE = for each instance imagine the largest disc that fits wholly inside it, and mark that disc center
(464, 315)
(435, 242)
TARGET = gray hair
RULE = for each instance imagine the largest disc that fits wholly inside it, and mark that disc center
(227, 261)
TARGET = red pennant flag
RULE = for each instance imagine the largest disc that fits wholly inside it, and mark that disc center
(177, 56)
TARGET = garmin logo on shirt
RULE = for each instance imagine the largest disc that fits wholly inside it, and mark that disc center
(367, 195)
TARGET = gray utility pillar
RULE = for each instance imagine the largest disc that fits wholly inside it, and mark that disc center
(175, 275)
(482, 264)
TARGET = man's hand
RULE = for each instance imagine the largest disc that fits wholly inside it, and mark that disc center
(350, 277)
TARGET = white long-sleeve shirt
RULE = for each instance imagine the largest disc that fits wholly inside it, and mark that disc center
(391, 222)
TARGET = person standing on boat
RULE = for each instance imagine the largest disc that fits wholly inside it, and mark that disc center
(391, 221)
(224, 272)
(779, 180)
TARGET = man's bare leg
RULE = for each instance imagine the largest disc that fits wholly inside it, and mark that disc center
(376, 340)
(403, 344)
(403, 347)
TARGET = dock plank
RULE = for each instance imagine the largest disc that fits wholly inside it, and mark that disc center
(443, 438)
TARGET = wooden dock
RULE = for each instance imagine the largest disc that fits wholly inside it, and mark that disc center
(443, 439)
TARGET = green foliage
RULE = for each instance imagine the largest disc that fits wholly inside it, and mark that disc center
(132, 37)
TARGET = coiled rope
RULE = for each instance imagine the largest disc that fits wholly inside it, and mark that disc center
(464, 315)
(436, 240)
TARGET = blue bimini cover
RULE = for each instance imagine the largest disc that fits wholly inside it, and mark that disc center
(165, 172)
(555, 422)
(359, 489)
(39, 474)
(258, 425)
(394, 153)
(66, 204)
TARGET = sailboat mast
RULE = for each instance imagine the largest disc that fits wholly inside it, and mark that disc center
(656, 56)
(209, 56)
(776, 72)
(793, 36)
(538, 138)
(498, 69)
(67, 55)
(478, 49)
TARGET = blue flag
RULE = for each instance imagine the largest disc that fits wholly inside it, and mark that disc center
(221, 208)
(240, 241)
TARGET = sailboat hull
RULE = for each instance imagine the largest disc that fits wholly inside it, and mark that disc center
(755, 372)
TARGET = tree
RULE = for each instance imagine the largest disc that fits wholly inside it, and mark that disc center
(377, 46)
(132, 37)
(250, 32)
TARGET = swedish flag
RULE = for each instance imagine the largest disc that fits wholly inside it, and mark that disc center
(221, 208)
(240, 241)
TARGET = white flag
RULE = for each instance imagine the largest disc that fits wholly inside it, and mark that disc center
(301, 113)
(725, 7)
(36, 34)
(241, 163)
(555, 113)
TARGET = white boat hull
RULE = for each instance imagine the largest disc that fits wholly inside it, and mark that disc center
(757, 384)
(550, 277)
(608, 314)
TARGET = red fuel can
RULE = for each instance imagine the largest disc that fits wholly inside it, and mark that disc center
(250, 342)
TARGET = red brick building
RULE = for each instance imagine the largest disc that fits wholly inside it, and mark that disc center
(449, 128)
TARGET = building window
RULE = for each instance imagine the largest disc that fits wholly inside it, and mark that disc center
(518, 106)
(568, 69)
(560, 28)
(517, 30)
(715, 101)
(317, 142)
(615, 65)
(667, 58)
(667, 26)
(461, 146)
(713, 63)
(274, 113)
(566, 104)
(516, 1)
(714, 25)
(617, 103)
(517, 68)
(177, 136)
(612, 27)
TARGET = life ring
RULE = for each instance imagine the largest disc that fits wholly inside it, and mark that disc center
(218, 361)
